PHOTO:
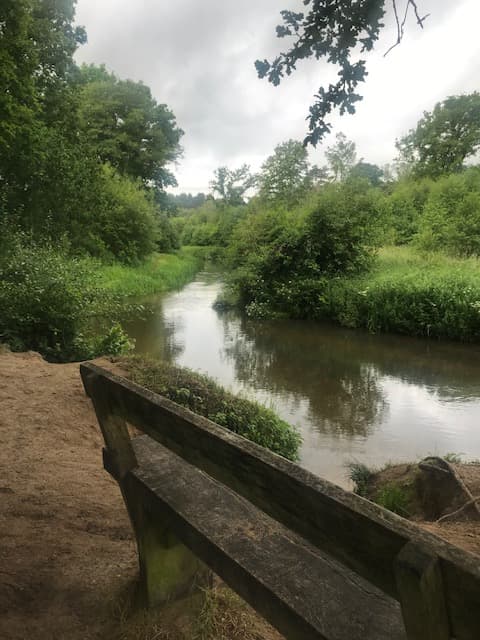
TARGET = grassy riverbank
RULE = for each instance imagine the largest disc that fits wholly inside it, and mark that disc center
(159, 272)
(411, 292)
(48, 298)
(204, 396)
(406, 291)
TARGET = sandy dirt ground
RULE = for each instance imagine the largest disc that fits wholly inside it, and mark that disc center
(66, 549)
(65, 541)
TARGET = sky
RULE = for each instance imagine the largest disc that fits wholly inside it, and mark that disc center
(198, 58)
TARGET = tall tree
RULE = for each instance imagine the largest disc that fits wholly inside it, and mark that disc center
(443, 138)
(341, 157)
(337, 30)
(126, 127)
(232, 184)
(37, 42)
(367, 171)
(286, 176)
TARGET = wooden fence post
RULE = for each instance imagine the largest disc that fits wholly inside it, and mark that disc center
(419, 582)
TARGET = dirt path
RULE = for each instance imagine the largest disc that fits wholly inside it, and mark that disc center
(66, 546)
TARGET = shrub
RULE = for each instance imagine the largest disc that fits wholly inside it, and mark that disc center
(47, 300)
(451, 217)
(281, 259)
(204, 396)
(394, 498)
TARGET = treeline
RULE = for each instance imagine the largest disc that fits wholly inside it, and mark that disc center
(85, 154)
(84, 167)
(303, 241)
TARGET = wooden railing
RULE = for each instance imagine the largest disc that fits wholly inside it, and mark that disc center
(313, 559)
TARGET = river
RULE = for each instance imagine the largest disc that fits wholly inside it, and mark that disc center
(353, 396)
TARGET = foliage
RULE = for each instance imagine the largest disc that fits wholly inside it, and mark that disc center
(367, 171)
(341, 157)
(451, 215)
(286, 176)
(282, 258)
(208, 225)
(360, 475)
(394, 498)
(232, 184)
(336, 31)
(159, 272)
(187, 200)
(444, 138)
(125, 127)
(403, 207)
(47, 300)
(430, 296)
(205, 397)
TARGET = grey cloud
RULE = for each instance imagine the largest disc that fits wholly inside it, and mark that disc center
(198, 57)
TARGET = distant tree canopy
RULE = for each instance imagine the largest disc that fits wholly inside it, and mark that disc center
(231, 185)
(341, 157)
(367, 171)
(286, 176)
(187, 200)
(335, 30)
(443, 138)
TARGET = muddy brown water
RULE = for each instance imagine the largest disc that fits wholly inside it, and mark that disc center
(353, 396)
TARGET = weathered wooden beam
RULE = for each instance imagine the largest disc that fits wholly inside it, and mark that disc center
(168, 569)
(362, 535)
(420, 585)
(301, 591)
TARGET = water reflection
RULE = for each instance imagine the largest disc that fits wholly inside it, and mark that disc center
(343, 393)
(352, 395)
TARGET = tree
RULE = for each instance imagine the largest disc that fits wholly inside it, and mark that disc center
(37, 42)
(286, 176)
(444, 138)
(341, 157)
(335, 30)
(232, 185)
(367, 171)
(126, 127)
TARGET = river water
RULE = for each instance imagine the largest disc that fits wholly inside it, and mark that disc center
(353, 396)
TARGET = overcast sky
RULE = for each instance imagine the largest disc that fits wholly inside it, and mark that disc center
(198, 58)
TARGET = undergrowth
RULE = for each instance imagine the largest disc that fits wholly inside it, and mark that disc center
(204, 396)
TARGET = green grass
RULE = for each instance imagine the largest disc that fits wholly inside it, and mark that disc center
(394, 498)
(204, 396)
(160, 272)
(428, 295)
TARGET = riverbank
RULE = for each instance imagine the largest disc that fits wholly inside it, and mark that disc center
(68, 562)
(160, 272)
(407, 291)
(68, 308)
(413, 293)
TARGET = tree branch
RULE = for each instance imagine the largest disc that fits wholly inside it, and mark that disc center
(401, 25)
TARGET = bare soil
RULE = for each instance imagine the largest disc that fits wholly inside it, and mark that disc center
(461, 531)
(67, 556)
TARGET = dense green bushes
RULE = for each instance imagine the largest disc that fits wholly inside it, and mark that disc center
(67, 308)
(451, 216)
(205, 397)
(277, 254)
(47, 300)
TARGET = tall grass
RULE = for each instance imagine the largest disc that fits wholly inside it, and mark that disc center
(429, 295)
(160, 272)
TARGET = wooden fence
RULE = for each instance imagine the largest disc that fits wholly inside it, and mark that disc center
(316, 561)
